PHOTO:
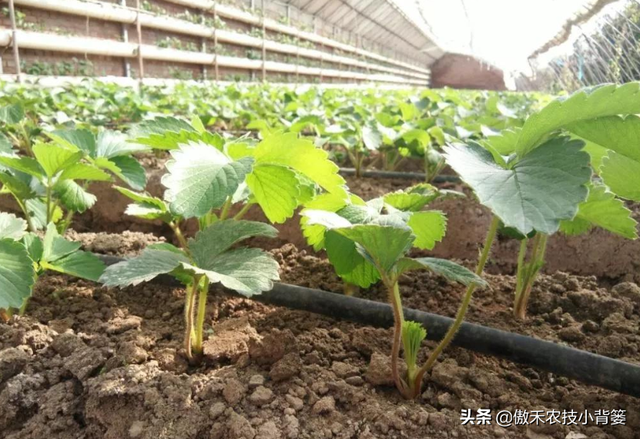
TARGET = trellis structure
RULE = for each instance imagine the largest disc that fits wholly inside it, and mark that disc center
(604, 48)
(208, 36)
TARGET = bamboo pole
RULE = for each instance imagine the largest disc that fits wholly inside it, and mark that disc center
(14, 40)
(140, 59)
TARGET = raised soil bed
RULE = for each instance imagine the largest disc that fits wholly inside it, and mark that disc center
(91, 362)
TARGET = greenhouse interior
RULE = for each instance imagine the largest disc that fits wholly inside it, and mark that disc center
(301, 219)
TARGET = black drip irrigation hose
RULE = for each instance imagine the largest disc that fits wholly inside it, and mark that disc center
(582, 366)
(404, 175)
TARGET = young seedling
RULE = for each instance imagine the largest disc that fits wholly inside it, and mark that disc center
(534, 179)
(51, 186)
(366, 253)
(13, 116)
(368, 242)
(207, 258)
(25, 256)
(207, 177)
(401, 207)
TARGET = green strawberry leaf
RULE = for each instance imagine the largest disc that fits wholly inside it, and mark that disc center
(429, 228)
(12, 227)
(38, 211)
(75, 140)
(383, 246)
(130, 171)
(54, 158)
(302, 156)
(17, 187)
(73, 196)
(79, 264)
(276, 189)
(221, 235)
(589, 103)
(6, 147)
(372, 138)
(537, 192)
(34, 246)
(602, 209)
(17, 274)
(248, 271)
(111, 144)
(27, 165)
(169, 133)
(621, 175)
(151, 263)
(200, 178)
(82, 171)
(11, 114)
(449, 270)
(620, 162)
(412, 199)
(145, 206)
(349, 264)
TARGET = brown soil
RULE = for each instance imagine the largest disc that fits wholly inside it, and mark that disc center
(88, 362)
(598, 253)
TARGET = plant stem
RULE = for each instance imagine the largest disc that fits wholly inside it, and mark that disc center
(374, 162)
(398, 320)
(188, 318)
(243, 211)
(23, 308)
(354, 157)
(49, 207)
(398, 163)
(67, 222)
(427, 168)
(531, 270)
(5, 316)
(462, 311)
(349, 289)
(225, 209)
(181, 239)
(361, 164)
(521, 270)
(27, 217)
(26, 139)
(202, 311)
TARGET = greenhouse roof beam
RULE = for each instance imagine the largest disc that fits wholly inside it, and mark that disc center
(379, 21)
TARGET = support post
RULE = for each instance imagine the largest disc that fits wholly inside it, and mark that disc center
(125, 39)
(264, 46)
(215, 41)
(14, 40)
(203, 47)
(297, 59)
(321, 61)
(140, 60)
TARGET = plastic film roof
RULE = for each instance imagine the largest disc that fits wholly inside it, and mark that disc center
(380, 21)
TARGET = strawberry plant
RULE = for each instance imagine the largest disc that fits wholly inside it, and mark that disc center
(24, 256)
(536, 180)
(16, 128)
(208, 178)
(369, 242)
(51, 186)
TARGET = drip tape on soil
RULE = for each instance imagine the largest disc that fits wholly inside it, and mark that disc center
(403, 175)
(586, 367)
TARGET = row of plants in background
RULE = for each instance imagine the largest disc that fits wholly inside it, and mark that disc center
(566, 168)
(363, 128)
